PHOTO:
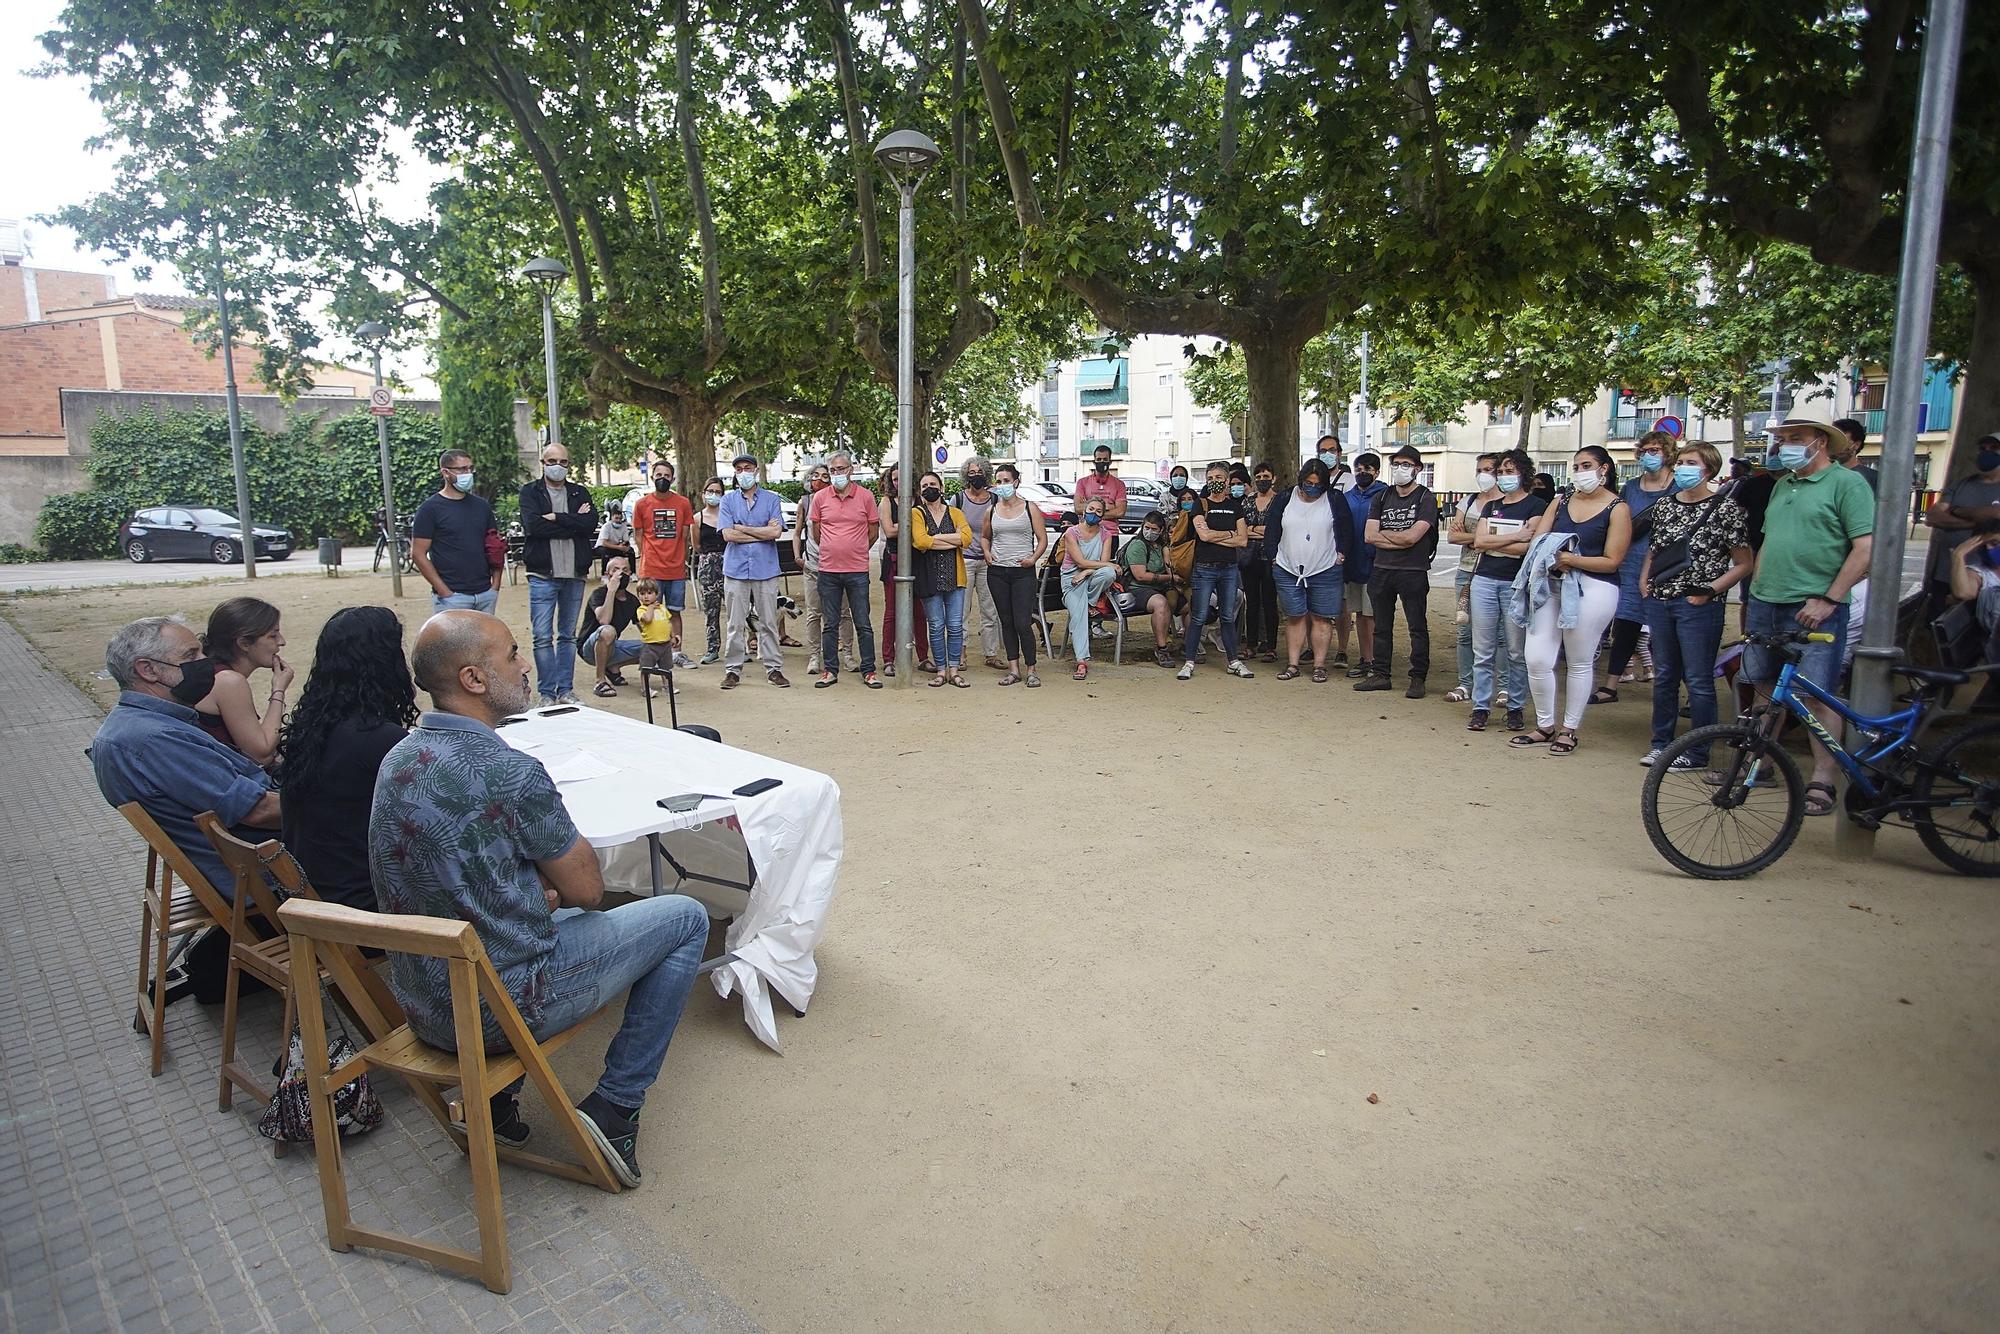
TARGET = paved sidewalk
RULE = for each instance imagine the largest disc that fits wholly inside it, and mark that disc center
(132, 1202)
(43, 576)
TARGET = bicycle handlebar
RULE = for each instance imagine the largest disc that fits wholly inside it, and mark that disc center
(1789, 639)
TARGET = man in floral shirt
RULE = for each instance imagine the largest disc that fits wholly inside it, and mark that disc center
(464, 826)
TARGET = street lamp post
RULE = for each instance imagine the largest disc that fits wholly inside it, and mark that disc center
(906, 155)
(373, 334)
(545, 273)
(236, 460)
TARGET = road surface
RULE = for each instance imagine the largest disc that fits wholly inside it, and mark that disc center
(67, 574)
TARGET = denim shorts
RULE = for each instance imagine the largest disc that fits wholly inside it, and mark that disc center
(622, 650)
(673, 593)
(1320, 595)
(1820, 663)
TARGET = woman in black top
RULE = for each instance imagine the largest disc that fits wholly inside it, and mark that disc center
(708, 570)
(358, 703)
(1260, 589)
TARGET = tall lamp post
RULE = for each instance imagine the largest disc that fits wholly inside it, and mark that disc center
(906, 155)
(374, 334)
(236, 461)
(545, 273)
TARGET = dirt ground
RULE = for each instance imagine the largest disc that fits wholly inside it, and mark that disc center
(1116, 968)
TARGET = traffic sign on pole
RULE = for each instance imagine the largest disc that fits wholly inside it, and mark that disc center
(1672, 425)
(380, 402)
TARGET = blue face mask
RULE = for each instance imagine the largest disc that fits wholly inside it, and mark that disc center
(1991, 555)
(746, 480)
(1651, 460)
(1508, 483)
(1312, 490)
(1004, 490)
(1178, 483)
(1237, 489)
(462, 480)
(1793, 457)
(1988, 460)
(1187, 504)
(1328, 458)
(1689, 474)
(1093, 519)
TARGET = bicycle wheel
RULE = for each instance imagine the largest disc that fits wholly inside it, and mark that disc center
(381, 545)
(1730, 817)
(1961, 782)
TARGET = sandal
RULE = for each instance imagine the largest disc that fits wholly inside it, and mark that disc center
(1535, 738)
(605, 690)
(1268, 655)
(1604, 695)
(1082, 672)
(1033, 680)
(788, 642)
(959, 681)
(1319, 676)
(1635, 678)
(1011, 678)
(1565, 741)
(1458, 695)
(1290, 673)
(1817, 804)
(937, 680)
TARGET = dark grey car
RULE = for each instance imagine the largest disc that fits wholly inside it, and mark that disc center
(189, 532)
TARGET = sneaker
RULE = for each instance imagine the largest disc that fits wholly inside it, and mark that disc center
(1684, 763)
(546, 701)
(850, 663)
(730, 680)
(509, 1127)
(826, 679)
(812, 665)
(872, 681)
(1236, 668)
(568, 697)
(1186, 673)
(1164, 657)
(616, 1135)
(683, 660)
(1515, 722)
(1340, 662)
(1372, 682)
(1416, 690)
(1647, 760)
(1201, 656)
(1354, 673)
(708, 657)
(777, 678)
(1477, 721)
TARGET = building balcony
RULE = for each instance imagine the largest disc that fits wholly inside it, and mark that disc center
(1119, 444)
(1118, 396)
(1426, 435)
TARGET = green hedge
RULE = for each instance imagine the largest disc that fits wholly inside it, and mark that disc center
(314, 478)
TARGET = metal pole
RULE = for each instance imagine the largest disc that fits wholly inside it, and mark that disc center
(249, 534)
(1364, 393)
(1930, 165)
(388, 491)
(549, 360)
(906, 428)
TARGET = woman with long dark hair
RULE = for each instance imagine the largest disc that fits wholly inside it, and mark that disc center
(359, 702)
(243, 637)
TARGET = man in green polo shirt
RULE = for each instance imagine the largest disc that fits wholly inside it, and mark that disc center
(1817, 539)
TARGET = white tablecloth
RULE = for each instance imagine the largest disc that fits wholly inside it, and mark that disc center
(793, 832)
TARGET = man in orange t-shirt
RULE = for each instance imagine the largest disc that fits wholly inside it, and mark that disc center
(662, 522)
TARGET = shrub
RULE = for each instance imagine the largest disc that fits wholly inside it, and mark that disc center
(81, 525)
(13, 553)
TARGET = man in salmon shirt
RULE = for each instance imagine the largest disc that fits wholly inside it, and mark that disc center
(662, 522)
(847, 521)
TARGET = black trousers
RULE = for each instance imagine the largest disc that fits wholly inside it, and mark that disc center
(1260, 612)
(1411, 587)
(1014, 595)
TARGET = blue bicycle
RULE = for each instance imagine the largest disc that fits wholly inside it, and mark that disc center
(1726, 801)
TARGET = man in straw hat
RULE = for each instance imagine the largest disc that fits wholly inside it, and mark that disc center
(1817, 538)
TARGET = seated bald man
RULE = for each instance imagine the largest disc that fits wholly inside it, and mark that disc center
(464, 826)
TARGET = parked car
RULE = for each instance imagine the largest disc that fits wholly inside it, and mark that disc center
(1142, 497)
(1045, 497)
(186, 532)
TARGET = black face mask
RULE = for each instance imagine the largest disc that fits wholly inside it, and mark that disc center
(1365, 478)
(197, 679)
(931, 494)
(977, 482)
(1263, 485)
(1103, 466)
(663, 484)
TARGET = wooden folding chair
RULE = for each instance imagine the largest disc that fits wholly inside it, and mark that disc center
(477, 1076)
(168, 913)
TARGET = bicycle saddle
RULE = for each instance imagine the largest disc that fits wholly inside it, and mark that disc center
(1937, 676)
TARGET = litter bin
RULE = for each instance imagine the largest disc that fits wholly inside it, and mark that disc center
(329, 556)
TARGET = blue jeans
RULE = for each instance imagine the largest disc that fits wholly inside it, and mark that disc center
(652, 946)
(1499, 647)
(553, 605)
(1819, 663)
(1465, 651)
(485, 602)
(854, 588)
(1078, 599)
(1222, 582)
(1685, 641)
(944, 614)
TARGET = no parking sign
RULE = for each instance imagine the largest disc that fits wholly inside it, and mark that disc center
(941, 453)
(1672, 425)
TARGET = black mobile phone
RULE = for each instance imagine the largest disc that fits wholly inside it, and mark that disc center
(686, 801)
(751, 789)
(550, 713)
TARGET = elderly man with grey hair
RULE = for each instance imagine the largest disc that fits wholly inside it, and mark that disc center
(151, 750)
(805, 550)
(465, 826)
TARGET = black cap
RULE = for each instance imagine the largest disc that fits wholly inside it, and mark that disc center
(1408, 454)
(743, 458)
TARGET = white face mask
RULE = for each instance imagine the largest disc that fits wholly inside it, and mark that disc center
(1585, 482)
(1485, 481)
(746, 480)
(1402, 474)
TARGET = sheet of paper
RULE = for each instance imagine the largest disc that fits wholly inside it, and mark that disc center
(579, 767)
